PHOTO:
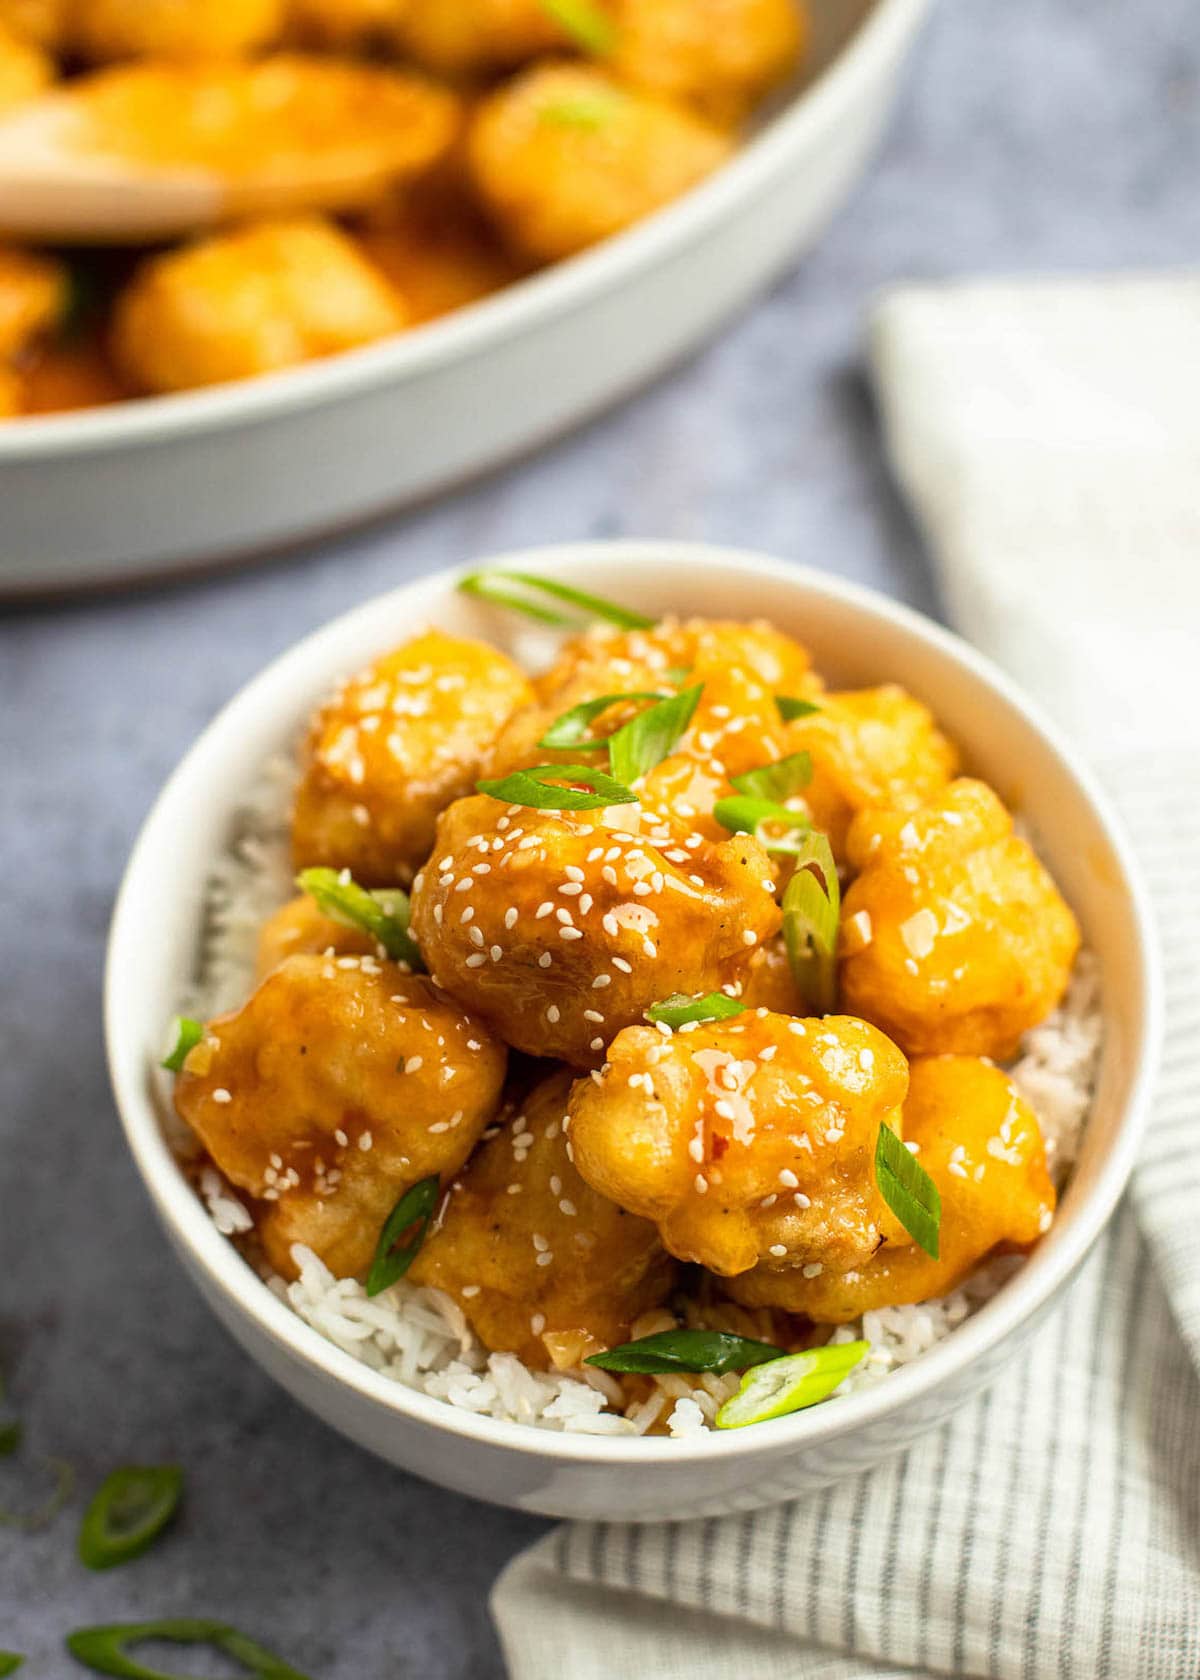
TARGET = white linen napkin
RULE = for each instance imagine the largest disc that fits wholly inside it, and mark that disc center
(1048, 435)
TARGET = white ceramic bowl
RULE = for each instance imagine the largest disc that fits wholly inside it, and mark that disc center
(856, 638)
(149, 487)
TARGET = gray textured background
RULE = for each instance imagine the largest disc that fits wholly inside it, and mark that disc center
(1053, 134)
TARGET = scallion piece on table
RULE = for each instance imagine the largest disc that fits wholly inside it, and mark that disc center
(908, 1190)
(811, 907)
(790, 707)
(105, 1650)
(498, 588)
(790, 1384)
(130, 1509)
(412, 1213)
(685, 1350)
(571, 729)
(559, 787)
(647, 739)
(182, 1035)
(680, 1009)
(747, 815)
(778, 781)
(10, 1662)
(584, 22)
(383, 913)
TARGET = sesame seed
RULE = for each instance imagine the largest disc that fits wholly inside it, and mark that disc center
(467, 915)
(570, 889)
(749, 937)
(592, 1015)
(701, 1184)
(779, 1251)
(625, 967)
(564, 916)
(553, 1014)
(537, 1323)
(545, 1259)
(545, 960)
(221, 1095)
(476, 935)
(510, 917)
(477, 961)
(601, 980)
(812, 1270)
(365, 1141)
(570, 933)
(495, 953)
(596, 1044)
(540, 1243)
(788, 1178)
(544, 909)
(610, 925)
(567, 1208)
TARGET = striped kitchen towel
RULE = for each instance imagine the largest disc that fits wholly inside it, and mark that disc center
(1048, 436)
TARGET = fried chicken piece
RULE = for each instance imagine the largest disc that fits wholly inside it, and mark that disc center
(719, 56)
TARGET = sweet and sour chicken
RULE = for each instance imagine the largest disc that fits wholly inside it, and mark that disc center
(702, 1133)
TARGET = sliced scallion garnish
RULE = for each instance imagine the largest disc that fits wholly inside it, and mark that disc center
(685, 1350)
(790, 707)
(130, 1509)
(680, 1008)
(584, 22)
(811, 905)
(908, 1190)
(412, 1213)
(746, 815)
(182, 1035)
(571, 728)
(542, 788)
(10, 1662)
(584, 113)
(383, 913)
(647, 739)
(789, 1384)
(496, 587)
(105, 1650)
(778, 781)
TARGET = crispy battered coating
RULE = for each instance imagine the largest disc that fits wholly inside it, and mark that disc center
(395, 745)
(541, 1265)
(465, 37)
(300, 928)
(563, 156)
(562, 927)
(68, 374)
(337, 1085)
(954, 935)
(770, 983)
(33, 297)
(42, 22)
(717, 55)
(437, 251)
(266, 297)
(24, 68)
(980, 1143)
(175, 29)
(749, 1141)
(871, 747)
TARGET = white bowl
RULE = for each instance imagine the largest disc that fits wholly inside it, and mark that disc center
(149, 487)
(856, 637)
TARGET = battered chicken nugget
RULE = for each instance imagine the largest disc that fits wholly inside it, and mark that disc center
(301, 928)
(562, 927)
(980, 1143)
(465, 37)
(954, 935)
(717, 55)
(336, 1086)
(176, 29)
(748, 1141)
(393, 746)
(564, 156)
(541, 1265)
(263, 298)
(770, 982)
(33, 298)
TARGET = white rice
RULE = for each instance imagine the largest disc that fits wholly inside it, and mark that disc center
(420, 1337)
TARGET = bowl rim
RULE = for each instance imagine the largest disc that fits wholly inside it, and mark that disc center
(213, 1257)
(513, 311)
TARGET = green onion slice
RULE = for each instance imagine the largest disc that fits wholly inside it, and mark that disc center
(685, 1350)
(746, 815)
(589, 114)
(584, 22)
(778, 781)
(908, 1190)
(571, 729)
(789, 1384)
(541, 788)
(383, 913)
(10, 1437)
(105, 1650)
(10, 1662)
(681, 1007)
(646, 739)
(811, 906)
(790, 707)
(129, 1511)
(414, 1209)
(29, 1522)
(183, 1035)
(494, 586)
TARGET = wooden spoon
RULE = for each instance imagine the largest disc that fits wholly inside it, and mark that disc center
(152, 151)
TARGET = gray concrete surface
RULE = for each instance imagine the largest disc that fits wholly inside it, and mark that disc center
(1057, 134)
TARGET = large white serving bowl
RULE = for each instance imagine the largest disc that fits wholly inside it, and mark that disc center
(151, 487)
(856, 637)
